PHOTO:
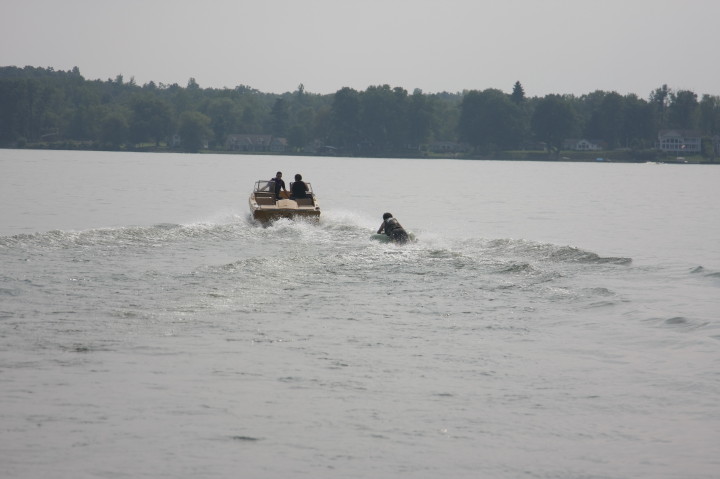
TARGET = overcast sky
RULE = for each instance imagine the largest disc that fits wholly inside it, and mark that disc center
(550, 46)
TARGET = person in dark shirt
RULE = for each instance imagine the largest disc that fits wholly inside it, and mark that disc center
(299, 189)
(279, 183)
(393, 229)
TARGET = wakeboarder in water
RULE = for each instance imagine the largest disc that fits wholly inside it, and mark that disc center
(393, 229)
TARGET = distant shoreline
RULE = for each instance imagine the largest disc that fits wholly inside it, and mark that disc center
(610, 156)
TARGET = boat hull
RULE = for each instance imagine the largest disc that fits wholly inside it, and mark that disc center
(267, 216)
(266, 209)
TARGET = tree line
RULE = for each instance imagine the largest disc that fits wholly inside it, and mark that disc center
(42, 106)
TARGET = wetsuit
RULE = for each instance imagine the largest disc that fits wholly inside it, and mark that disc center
(279, 183)
(298, 190)
(395, 231)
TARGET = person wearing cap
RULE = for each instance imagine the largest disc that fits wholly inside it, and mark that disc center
(393, 229)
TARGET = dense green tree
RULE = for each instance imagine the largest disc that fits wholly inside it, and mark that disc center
(660, 99)
(383, 118)
(11, 123)
(518, 93)
(638, 125)
(554, 121)
(606, 121)
(42, 105)
(490, 121)
(85, 122)
(300, 131)
(421, 118)
(683, 111)
(114, 129)
(280, 118)
(254, 109)
(710, 115)
(224, 116)
(345, 119)
(586, 108)
(300, 95)
(194, 130)
(180, 99)
(151, 119)
(376, 117)
(447, 116)
(250, 120)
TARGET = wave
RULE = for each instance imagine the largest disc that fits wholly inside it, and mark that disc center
(127, 235)
(339, 232)
(704, 272)
(518, 268)
(679, 323)
(554, 253)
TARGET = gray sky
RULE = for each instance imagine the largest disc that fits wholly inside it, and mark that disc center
(550, 46)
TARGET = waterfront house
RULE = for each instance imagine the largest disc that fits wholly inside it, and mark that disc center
(679, 141)
(248, 142)
(582, 144)
(447, 147)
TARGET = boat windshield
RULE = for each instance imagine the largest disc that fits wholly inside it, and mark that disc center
(269, 185)
(264, 185)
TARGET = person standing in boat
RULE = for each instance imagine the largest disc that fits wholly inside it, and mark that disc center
(299, 189)
(393, 229)
(279, 183)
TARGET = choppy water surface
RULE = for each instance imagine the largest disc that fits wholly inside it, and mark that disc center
(543, 325)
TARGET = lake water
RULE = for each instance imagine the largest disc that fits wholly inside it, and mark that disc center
(553, 320)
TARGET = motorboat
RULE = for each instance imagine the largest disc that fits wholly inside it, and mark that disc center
(266, 208)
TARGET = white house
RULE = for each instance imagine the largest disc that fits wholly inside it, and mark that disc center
(447, 147)
(582, 144)
(679, 141)
(248, 142)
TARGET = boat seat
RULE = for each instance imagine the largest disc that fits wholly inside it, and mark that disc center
(305, 201)
(265, 200)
